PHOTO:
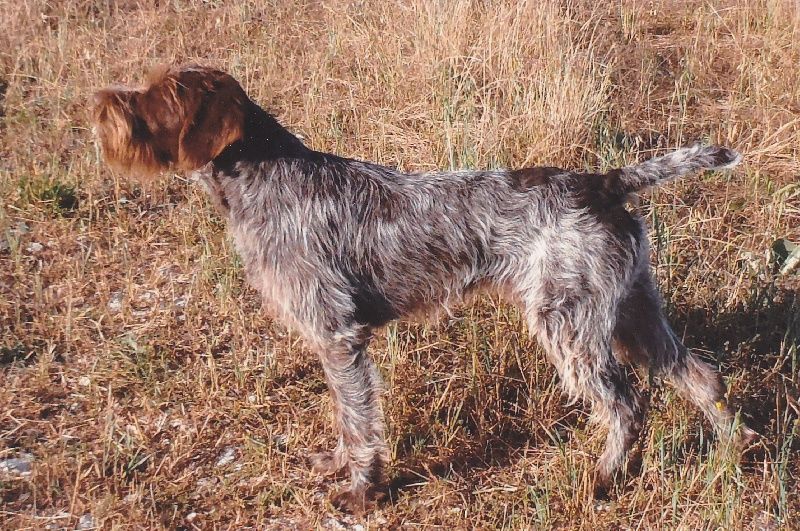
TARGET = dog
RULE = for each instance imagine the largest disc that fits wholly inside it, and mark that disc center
(337, 247)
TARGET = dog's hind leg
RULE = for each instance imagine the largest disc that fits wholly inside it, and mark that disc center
(578, 343)
(643, 336)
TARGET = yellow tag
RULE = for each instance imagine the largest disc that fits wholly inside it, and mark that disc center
(720, 405)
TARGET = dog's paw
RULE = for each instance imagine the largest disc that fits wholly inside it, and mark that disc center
(743, 439)
(358, 501)
(352, 501)
(327, 463)
(601, 490)
(605, 486)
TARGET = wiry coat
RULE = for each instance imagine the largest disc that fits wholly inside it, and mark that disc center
(337, 247)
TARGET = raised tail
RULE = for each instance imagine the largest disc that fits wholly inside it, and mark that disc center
(680, 162)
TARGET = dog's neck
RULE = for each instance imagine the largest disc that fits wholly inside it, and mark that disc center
(264, 139)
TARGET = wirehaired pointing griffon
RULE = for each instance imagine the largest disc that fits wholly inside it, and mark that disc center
(337, 247)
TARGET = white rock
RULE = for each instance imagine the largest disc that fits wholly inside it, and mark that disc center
(115, 302)
(227, 456)
(34, 247)
(333, 523)
(20, 228)
(280, 441)
(20, 466)
(86, 522)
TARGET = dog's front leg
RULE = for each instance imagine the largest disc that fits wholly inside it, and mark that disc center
(355, 388)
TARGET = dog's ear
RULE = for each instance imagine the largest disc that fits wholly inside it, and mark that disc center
(124, 134)
(215, 117)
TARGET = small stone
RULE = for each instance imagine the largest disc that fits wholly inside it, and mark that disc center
(34, 247)
(147, 296)
(20, 229)
(602, 507)
(191, 516)
(84, 381)
(206, 483)
(115, 302)
(17, 465)
(86, 522)
(280, 441)
(227, 456)
(333, 523)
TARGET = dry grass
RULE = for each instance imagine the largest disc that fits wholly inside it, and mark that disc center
(133, 358)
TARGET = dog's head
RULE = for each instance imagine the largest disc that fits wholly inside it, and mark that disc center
(184, 118)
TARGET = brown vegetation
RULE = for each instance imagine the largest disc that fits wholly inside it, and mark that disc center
(139, 375)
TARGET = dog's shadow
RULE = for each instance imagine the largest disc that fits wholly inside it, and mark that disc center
(758, 343)
(497, 447)
(757, 346)
(486, 427)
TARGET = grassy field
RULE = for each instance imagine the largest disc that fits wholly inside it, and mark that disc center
(141, 386)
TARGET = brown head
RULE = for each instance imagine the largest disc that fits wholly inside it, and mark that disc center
(184, 118)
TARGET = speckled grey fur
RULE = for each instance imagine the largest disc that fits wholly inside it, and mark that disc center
(338, 246)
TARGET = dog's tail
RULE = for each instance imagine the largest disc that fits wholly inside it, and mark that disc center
(658, 170)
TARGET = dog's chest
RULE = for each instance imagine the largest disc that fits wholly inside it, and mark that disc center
(270, 264)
